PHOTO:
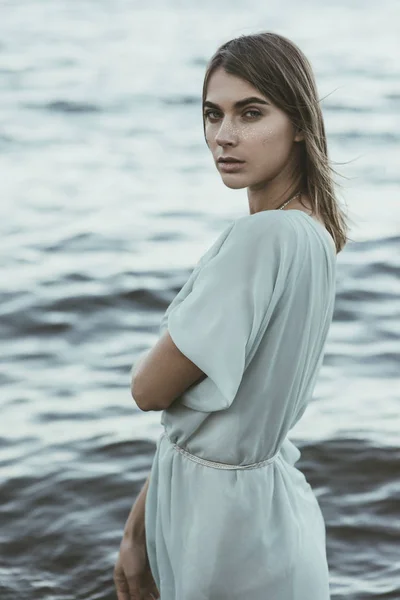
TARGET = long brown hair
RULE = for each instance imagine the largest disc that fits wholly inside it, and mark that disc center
(280, 71)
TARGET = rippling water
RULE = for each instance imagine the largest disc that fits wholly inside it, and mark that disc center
(109, 197)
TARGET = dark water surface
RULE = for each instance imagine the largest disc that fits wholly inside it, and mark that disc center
(109, 197)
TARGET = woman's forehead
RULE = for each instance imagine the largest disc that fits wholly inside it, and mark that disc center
(226, 89)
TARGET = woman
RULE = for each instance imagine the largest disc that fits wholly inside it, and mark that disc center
(225, 513)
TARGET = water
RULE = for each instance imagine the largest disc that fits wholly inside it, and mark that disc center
(109, 197)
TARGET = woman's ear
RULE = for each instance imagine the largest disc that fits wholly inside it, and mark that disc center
(299, 137)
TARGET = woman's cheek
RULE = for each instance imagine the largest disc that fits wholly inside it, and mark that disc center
(270, 136)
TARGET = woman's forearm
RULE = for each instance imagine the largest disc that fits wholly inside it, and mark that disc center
(135, 524)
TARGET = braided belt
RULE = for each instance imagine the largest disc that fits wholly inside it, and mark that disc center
(219, 465)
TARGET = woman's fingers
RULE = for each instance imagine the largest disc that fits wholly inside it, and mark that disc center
(151, 587)
(127, 590)
(132, 575)
(130, 589)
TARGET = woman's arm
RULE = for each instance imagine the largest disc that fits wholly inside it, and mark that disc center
(135, 525)
(132, 572)
(136, 365)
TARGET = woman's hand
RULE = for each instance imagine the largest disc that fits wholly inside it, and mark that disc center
(132, 575)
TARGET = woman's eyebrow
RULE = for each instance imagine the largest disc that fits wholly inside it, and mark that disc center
(239, 104)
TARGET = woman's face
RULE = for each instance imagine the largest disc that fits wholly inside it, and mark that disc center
(258, 133)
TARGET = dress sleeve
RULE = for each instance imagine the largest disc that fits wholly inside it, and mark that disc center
(187, 287)
(230, 303)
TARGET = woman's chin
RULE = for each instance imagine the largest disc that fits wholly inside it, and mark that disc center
(234, 183)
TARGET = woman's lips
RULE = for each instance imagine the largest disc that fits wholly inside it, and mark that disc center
(231, 167)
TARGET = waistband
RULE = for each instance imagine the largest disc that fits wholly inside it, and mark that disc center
(220, 465)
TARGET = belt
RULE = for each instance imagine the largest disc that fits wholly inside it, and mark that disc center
(220, 465)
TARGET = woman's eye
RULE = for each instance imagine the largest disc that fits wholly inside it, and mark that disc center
(256, 113)
(208, 113)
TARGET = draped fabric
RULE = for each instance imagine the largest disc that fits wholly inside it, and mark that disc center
(228, 514)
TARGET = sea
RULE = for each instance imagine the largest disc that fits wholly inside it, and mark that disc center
(109, 196)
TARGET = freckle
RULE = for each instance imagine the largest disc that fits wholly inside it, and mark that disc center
(269, 135)
(251, 134)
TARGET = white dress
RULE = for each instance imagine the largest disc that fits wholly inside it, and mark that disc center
(228, 515)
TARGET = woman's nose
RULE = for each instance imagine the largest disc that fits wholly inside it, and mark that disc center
(227, 133)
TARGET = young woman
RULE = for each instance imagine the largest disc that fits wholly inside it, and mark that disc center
(225, 514)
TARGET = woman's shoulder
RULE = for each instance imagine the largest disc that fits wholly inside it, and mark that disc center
(251, 239)
(265, 227)
(272, 220)
(276, 233)
(289, 226)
